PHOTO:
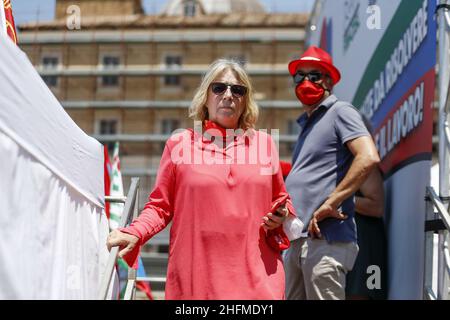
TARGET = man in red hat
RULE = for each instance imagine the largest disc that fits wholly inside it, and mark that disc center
(333, 156)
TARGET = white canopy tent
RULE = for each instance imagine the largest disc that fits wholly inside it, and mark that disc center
(53, 227)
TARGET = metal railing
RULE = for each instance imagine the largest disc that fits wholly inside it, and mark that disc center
(439, 221)
(130, 211)
(152, 279)
(436, 222)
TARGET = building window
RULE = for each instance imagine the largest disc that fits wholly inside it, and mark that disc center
(50, 63)
(172, 63)
(110, 62)
(108, 126)
(169, 125)
(189, 8)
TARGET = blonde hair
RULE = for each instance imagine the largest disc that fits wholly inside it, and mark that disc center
(198, 109)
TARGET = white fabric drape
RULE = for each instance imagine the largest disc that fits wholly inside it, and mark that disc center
(2, 19)
(53, 227)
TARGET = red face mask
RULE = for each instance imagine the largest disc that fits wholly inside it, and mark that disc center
(309, 93)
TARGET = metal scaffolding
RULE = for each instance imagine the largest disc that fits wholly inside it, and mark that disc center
(437, 215)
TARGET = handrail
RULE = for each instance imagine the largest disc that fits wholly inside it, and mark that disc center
(447, 130)
(446, 256)
(126, 214)
(443, 250)
(115, 199)
(130, 290)
(429, 294)
(437, 202)
(152, 279)
(442, 211)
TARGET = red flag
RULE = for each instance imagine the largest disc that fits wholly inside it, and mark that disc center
(10, 26)
(285, 168)
(144, 287)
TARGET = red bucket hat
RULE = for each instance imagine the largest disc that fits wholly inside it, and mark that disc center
(315, 56)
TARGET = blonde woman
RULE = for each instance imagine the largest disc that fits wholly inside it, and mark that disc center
(220, 194)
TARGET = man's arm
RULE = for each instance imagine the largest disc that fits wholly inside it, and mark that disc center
(365, 159)
(372, 202)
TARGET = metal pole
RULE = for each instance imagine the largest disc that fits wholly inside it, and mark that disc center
(444, 165)
(428, 254)
(131, 285)
(442, 267)
(130, 292)
(443, 81)
(136, 205)
(115, 199)
(131, 198)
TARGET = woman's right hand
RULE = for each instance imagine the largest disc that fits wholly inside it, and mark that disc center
(126, 241)
(274, 220)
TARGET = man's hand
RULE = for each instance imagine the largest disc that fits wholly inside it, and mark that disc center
(325, 211)
(126, 241)
(273, 221)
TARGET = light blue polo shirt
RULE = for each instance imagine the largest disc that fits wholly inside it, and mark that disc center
(320, 161)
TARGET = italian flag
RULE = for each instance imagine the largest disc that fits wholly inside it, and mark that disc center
(115, 211)
(116, 189)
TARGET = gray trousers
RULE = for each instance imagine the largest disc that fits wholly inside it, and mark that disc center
(316, 269)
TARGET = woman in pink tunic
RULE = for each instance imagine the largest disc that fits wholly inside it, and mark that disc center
(218, 187)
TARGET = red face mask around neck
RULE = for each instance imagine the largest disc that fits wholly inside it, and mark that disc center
(212, 125)
(309, 93)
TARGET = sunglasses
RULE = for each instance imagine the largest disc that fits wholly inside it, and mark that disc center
(237, 90)
(313, 76)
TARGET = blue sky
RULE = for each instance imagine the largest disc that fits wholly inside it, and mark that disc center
(32, 10)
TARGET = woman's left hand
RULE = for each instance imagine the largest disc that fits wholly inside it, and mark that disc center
(273, 221)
